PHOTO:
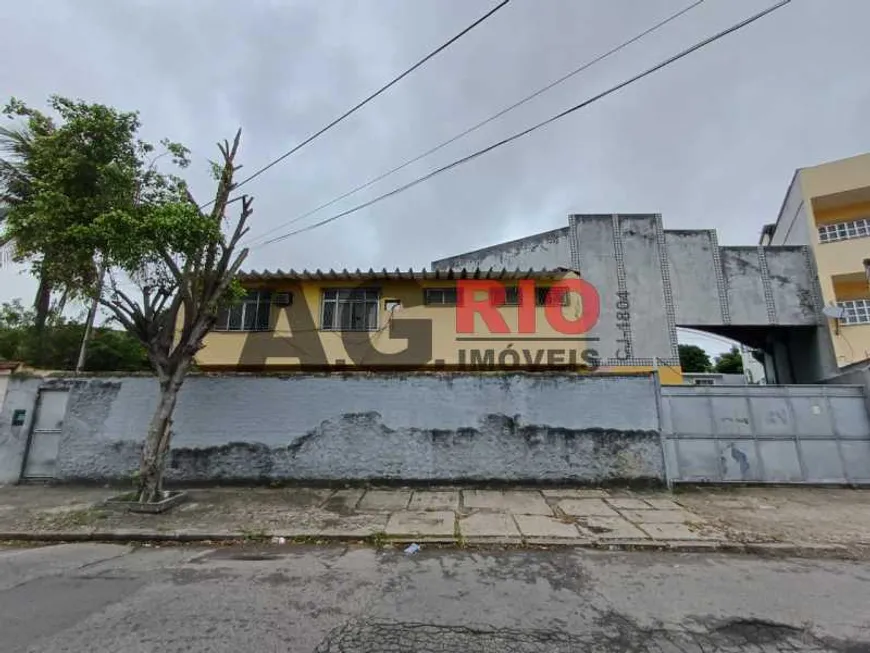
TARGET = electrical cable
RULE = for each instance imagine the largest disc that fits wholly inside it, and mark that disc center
(528, 98)
(535, 127)
(371, 97)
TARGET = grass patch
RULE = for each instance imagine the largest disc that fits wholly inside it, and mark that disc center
(378, 539)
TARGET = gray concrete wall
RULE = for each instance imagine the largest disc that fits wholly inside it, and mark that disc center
(547, 250)
(678, 278)
(625, 254)
(4, 380)
(363, 427)
(792, 227)
(858, 376)
(21, 394)
(696, 277)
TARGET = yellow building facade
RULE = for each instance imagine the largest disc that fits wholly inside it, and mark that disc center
(408, 320)
(828, 209)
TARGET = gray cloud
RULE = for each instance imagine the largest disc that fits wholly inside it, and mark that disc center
(710, 143)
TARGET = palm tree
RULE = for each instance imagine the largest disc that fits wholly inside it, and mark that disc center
(16, 147)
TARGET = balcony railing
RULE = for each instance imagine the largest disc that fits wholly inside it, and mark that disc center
(829, 233)
(857, 311)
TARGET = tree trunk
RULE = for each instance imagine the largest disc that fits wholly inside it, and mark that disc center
(42, 303)
(157, 441)
(42, 306)
(89, 325)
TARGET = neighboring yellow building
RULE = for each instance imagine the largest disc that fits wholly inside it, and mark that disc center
(400, 320)
(827, 208)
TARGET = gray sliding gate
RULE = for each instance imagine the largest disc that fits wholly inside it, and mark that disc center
(767, 434)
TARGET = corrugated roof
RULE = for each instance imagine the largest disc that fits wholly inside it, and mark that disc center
(385, 275)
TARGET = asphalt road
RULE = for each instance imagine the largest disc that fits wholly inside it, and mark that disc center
(96, 597)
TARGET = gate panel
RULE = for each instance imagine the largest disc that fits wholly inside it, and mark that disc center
(774, 434)
(41, 456)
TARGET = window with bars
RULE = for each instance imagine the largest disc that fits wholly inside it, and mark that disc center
(543, 296)
(844, 230)
(439, 296)
(350, 309)
(251, 313)
(857, 311)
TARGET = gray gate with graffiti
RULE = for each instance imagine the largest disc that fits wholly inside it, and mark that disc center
(766, 434)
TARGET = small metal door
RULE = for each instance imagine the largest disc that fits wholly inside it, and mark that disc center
(44, 441)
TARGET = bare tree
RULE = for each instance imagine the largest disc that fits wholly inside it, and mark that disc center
(183, 282)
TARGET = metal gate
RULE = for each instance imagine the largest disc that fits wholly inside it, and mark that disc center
(40, 456)
(767, 434)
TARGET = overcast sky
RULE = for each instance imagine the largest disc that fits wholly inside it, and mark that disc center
(710, 142)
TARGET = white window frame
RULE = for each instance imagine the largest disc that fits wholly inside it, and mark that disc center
(254, 300)
(332, 297)
(440, 296)
(857, 311)
(830, 233)
(542, 296)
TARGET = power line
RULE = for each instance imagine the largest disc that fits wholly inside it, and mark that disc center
(371, 97)
(533, 128)
(516, 105)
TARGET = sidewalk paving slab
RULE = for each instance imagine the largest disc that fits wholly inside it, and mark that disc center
(673, 531)
(629, 504)
(586, 507)
(803, 521)
(540, 529)
(574, 493)
(662, 516)
(384, 500)
(328, 524)
(518, 502)
(434, 500)
(489, 528)
(663, 504)
(344, 501)
(422, 525)
(612, 528)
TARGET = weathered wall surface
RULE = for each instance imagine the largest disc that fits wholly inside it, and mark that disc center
(20, 395)
(543, 251)
(695, 270)
(679, 279)
(411, 427)
(858, 376)
(4, 380)
(769, 434)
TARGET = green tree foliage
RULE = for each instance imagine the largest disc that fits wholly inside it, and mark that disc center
(57, 348)
(731, 362)
(65, 174)
(693, 359)
(98, 208)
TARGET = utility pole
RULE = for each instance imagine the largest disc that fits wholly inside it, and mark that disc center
(89, 325)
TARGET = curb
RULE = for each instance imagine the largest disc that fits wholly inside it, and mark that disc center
(765, 549)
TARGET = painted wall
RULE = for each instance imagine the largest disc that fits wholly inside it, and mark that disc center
(403, 334)
(521, 427)
(21, 394)
(793, 223)
(833, 192)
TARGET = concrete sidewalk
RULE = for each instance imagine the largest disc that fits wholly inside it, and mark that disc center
(772, 520)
